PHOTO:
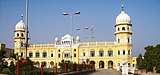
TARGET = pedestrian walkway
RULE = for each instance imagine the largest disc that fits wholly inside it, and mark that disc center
(105, 72)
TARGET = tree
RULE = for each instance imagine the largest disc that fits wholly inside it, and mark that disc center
(152, 58)
(2, 55)
(140, 62)
(12, 67)
(12, 55)
(28, 68)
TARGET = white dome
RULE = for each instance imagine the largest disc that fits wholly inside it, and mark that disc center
(77, 38)
(56, 39)
(123, 18)
(20, 25)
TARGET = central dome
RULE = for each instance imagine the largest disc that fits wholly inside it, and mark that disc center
(20, 25)
(123, 18)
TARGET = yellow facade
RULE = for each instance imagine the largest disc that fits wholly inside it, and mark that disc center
(104, 54)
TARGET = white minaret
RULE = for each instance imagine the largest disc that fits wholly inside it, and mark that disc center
(19, 37)
(123, 26)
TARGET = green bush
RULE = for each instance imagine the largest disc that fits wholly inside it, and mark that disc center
(136, 74)
(28, 68)
(12, 67)
(1, 68)
(6, 71)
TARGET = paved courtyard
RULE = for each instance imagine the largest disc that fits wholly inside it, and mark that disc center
(105, 72)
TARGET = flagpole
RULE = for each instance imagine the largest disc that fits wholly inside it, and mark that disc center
(92, 33)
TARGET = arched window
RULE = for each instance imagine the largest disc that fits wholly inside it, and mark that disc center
(37, 54)
(119, 52)
(110, 53)
(84, 54)
(128, 28)
(128, 40)
(51, 54)
(21, 54)
(17, 34)
(30, 54)
(123, 28)
(118, 29)
(129, 52)
(118, 40)
(22, 34)
(123, 52)
(101, 53)
(44, 54)
(92, 53)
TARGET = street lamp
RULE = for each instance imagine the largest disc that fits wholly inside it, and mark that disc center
(81, 31)
(26, 32)
(70, 15)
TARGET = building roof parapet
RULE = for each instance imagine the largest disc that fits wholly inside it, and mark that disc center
(41, 45)
(124, 44)
(67, 45)
(85, 44)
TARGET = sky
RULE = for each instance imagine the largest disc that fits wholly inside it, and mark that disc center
(46, 20)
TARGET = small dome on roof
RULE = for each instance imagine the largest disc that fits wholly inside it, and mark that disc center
(20, 25)
(77, 38)
(56, 39)
(123, 18)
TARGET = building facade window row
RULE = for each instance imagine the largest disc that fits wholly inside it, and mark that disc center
(20, 35)
(37, 55)
(101, 53)
(124, 52)
(109, 53)
(123, 29)
(92, 54)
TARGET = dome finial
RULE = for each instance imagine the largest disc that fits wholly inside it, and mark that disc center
(22, 17)
(122, 7)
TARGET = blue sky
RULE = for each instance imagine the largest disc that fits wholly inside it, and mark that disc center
(46, 20)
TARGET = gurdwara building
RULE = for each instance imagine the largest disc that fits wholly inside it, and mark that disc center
(70, 49)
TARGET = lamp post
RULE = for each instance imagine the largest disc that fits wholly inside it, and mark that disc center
(26, 31)
(81, 31)
(70, 15)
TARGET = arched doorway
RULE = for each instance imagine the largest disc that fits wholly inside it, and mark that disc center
(83, 62)
(92, 62)
(45, 64)
(37, 64)
(101, 64)
(51, 64)
(110, 64)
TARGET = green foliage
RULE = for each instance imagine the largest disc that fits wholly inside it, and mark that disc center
(2, 55)
(6, 71)
(136, 74)
(140, 62)
(12, 55)
(12, 67)
(28, 68)
(151, 58)
(48, 71)
(1, 68)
